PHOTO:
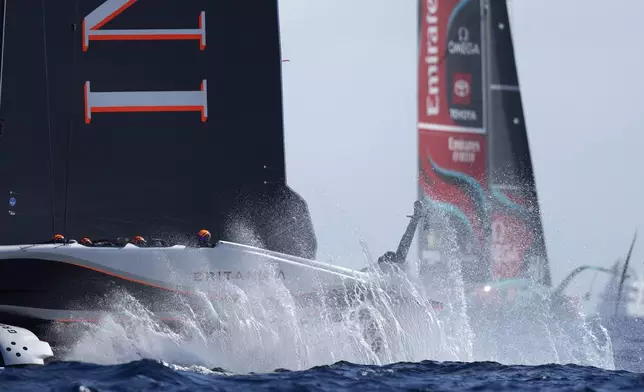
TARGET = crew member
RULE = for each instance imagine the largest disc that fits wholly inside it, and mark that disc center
(390, 257)
(203, 239)
(58, 239)
(139, 241)
(86, 241)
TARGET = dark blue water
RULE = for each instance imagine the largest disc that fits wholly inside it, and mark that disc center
(342, 376)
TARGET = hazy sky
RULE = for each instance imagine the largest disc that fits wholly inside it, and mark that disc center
(350, 117)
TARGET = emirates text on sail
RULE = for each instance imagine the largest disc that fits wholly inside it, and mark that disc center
(463, 150)
(432, 101)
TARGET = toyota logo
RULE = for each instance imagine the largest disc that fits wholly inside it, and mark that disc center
(461, 88)
(463, 34)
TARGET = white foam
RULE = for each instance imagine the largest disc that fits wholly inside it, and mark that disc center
(263, 327)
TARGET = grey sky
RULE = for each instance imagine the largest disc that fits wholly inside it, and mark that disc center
(350, 115)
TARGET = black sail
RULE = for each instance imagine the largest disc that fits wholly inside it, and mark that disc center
(518, 244)
(148, 117)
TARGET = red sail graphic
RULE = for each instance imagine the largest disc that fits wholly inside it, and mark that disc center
(475, 173)
(456, 152)
(452, 141)
(511, 242)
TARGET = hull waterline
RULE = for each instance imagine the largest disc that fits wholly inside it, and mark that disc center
(71, 284)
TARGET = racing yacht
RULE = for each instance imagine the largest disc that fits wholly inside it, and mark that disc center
(475, 166)
(149, 120)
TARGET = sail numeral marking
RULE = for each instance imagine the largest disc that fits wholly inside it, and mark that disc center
(140, 101)
(146, 101)
(110, 9)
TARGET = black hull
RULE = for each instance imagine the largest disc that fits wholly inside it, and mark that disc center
(57, 300)
(47, 284)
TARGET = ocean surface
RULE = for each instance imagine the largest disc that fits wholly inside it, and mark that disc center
(341, 376)
(390, 337)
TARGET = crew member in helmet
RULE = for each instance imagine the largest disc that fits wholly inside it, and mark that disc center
(204, 239)
(85, 241)
(139, 241)
(58, 239)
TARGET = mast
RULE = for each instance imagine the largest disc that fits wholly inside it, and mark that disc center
(174, 123)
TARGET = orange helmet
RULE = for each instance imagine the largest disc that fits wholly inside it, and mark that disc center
(58, 238)
(204, 235)
(85, 241)
(138, 240)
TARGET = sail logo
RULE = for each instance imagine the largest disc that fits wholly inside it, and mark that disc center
(510, 242)
(462, 95)
(463, 114)
(463, 151)
(141, 101)
(462, 90)
(463, 46)
(432, 99)
(505, 254)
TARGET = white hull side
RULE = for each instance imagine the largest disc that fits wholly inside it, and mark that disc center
(188, 269)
